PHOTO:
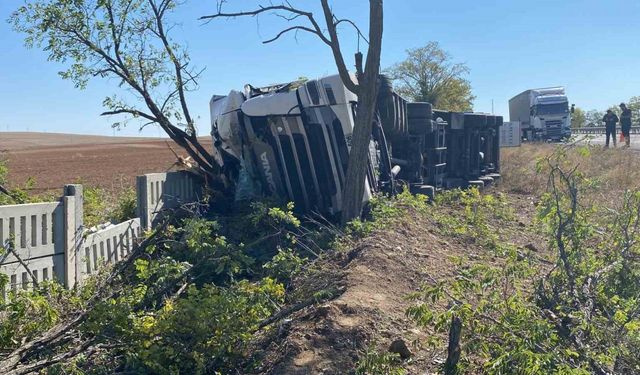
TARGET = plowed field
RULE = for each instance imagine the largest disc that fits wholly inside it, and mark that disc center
(54, 160)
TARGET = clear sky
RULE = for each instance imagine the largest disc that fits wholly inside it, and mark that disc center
(592, 47)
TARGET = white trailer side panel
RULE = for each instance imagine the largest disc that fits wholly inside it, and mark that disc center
(520, 109)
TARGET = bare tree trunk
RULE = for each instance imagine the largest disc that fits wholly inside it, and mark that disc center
(453, 351)
(359, 155)
(367, 94)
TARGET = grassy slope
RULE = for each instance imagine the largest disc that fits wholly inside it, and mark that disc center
(416, 246)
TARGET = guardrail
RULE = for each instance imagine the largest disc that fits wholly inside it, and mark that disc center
(601, 130)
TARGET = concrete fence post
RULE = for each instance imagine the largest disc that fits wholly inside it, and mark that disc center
(73, 228)
(142, 197)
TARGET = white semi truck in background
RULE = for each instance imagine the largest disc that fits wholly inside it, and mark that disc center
(544, 114)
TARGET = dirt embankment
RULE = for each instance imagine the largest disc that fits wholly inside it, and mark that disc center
(374, 279)
(375, 276)
(112, 163)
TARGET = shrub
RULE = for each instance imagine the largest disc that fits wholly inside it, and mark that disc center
(17, 195)
(204, 332)
(384, 211)
(125, 207)
(284, 265)
(582, 316)
(95, 206)
(376, 363)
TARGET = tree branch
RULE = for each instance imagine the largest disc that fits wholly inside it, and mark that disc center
(263, 9)
(11, 250)
(133, 112)
(281, 33)
(335, 48)
(174, 60)
(360, 34)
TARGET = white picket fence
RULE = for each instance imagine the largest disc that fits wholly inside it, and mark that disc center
(48, 241)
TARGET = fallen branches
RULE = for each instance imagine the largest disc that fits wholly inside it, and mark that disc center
(19, 362)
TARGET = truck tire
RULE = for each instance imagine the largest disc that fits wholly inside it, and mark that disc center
(487, 180)
(495, 176)
(419, 110)
(477, 183)
(427, 190)
(419, 126)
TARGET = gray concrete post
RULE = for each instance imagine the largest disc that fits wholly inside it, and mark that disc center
(74, 227)
(142, 197)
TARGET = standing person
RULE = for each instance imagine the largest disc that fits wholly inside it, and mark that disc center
(610, 119)
(625, 123)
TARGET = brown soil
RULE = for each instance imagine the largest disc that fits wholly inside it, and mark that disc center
(112, 163)
(374, 279)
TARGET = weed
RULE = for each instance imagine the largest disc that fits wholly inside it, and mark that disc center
(384, 211)
(580, 316)
(125, 206)
(284, 265)
(376, 363)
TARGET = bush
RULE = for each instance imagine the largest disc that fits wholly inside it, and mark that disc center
(582, 316)
(125, 207)
(384, 211)
(284, 265)
(204, 332)
(95, 206)
(25, 314)
(101, 206)
(375, 363)
(17, 195)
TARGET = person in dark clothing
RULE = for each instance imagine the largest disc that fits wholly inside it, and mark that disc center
(625, 123)
(610, 120)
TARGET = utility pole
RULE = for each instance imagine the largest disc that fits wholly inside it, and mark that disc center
(492, 112)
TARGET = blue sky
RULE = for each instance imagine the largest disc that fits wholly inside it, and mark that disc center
(592, 47)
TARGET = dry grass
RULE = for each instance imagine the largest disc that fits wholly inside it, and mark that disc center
(611, 171)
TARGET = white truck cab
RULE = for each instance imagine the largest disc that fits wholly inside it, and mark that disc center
(544, 114)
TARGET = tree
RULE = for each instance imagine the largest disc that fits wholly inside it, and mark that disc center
(365, 86)
(429, 75)
(634, 105)
(578, 118)
(594, 117)
(126, 40)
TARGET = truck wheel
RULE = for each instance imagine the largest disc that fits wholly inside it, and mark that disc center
(487, 180)
(419, 126)
(427, 190)
(477, 183)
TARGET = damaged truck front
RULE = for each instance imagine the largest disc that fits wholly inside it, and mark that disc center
(292, 141)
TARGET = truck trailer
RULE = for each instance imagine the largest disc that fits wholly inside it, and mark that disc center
(543, 114)
(292, 141)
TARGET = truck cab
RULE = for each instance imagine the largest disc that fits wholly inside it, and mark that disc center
(550, 114)
(543, 114)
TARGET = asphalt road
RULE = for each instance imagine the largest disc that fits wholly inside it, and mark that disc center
(600, 140)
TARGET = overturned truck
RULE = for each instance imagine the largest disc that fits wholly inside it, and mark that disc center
(292, 141)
